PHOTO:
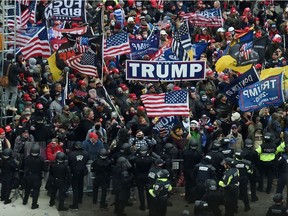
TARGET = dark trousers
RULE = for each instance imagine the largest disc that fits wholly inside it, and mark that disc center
(58, 185)
(77, 187)
(121, 200)
(252, 180)
(282, 181)
(102, 183)
(243, 191)
(158, 206)
(32, 182)
(6, 187)
(188, 185)
(142, 189)
(230, 199)
(266, 168)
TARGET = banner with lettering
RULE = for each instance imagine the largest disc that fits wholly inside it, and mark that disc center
(56, 43)
(245, 79)
(73, 10)
(209, 18)
(165, 70)
(268, 92)
(139, 48)
(167, 123)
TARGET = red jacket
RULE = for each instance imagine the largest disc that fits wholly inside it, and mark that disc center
(51, 151)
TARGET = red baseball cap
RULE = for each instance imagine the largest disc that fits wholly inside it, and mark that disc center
(93, 135)
(258, 66)
(133, 96)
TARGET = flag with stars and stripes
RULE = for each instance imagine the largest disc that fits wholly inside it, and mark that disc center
(24, 36)
(116, 45)
(29, 14)
(173, 103)
(181, 42)
(37, 46)
(85, 63)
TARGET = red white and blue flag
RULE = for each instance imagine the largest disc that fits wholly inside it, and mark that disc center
(209, 18)
(116, 45)
(173, 103)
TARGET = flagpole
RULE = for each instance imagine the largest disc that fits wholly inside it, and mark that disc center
(221, 17)
(111, 102)
(103, 35)
(31, 39)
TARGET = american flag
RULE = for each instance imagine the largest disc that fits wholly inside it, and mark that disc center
(14, 13)
(181, 42)
(246, 50)
(38, 46)
(29, 14)
(173, 103)
(24, 36)
(85, 63)
(116, 45)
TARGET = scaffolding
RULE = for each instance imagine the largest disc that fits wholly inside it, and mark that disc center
(8, 34)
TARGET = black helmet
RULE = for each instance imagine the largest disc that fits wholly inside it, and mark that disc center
(35, 150)
(143, 149)
(201, 204)
(163, 174)
(103, 153)
(78, 145)
(211, 184)
(193, 144)
(277, 198)
(126, 148)
(267, 137)
(123, 163)
(215, 146)
(168, 146)
(225, 141)
(207, 159)
(60, 157)
(228, 161)
(248, 143)
(239, 154)
(7, 152)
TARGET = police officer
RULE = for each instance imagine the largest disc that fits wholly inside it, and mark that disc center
(251, 155)
(266, 152)
(159, 192)
(203, 171)
(217, 158)
(77, 161)
(8, 167)
(143, 162)
(213, 196)
(282, 165)
(122, 181)
(101, 168)
(230, 183)
(191, 157)
(168, 154)
(244, 168)
(277, 209)
(34, 165)
(225, 149)
(60, 178)
(152, 176)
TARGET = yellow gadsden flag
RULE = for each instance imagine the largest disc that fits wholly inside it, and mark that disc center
(273, 71)
(227, 61)
(1, 42)
(56, 72)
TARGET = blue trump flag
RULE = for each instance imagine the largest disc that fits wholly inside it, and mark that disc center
(167, 123)
(198, 49)
(139, 48)
(268, 92)
(245, 79)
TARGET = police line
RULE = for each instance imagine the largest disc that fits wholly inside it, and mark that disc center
(165, 70)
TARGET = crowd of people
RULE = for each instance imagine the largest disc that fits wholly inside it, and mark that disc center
(103, 120)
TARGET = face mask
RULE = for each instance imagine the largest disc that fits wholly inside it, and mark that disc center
(113, 23)
(161, 11)
(131, 24)
(97, 127)
(145, 11)
(59, 98)
(140, 138)
(180, 4)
